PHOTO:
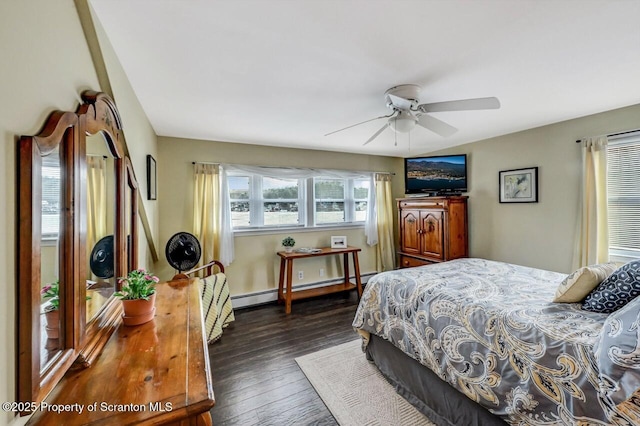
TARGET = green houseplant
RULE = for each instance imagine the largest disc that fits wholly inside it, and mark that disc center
(138, 294)
(52, 310)
(288, 244)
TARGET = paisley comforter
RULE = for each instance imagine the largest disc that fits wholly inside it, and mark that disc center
(490, 330)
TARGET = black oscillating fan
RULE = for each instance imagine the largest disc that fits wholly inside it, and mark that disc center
(183, 251)
(102, 261)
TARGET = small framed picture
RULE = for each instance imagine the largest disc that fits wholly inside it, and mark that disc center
(338, 241)
(519, 186)
(152, 179)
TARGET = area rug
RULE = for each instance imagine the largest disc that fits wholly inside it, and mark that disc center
(354, 390)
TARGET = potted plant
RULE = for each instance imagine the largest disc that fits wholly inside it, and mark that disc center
(288, 244)
(138, 295)
(52, 310)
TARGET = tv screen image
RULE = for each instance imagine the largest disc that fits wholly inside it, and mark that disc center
(437, 174)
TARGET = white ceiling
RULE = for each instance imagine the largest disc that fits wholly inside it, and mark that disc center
(285, 72)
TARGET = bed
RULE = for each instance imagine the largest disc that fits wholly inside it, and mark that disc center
(479, 342)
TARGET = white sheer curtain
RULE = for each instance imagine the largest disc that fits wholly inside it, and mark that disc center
(227, 246)
(226, 243)
(371, 224)
(592, 238)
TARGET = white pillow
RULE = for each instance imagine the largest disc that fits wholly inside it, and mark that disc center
(579, 284)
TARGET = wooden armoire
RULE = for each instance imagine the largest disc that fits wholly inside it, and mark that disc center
(432, 229)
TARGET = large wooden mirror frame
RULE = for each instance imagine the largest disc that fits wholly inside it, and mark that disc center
(43, 361)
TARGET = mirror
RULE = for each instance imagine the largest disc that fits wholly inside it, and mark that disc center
(46, 251)
(131, 217)
(76, 188)
(101, 202)
(51, 224)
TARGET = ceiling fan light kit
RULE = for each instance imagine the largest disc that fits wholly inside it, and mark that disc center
(403, 122)
(406, 112)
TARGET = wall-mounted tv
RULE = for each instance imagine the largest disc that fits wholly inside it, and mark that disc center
(443, 174)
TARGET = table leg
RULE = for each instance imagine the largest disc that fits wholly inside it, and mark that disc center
(356, 267)
(346, 267)
(281, 281)
(287, 304)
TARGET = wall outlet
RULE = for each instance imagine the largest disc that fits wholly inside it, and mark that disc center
(300, 275)
(322, 272)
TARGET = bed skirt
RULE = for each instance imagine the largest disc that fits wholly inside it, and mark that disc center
(417, 384)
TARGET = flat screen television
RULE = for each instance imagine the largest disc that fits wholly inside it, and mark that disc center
(436, 175)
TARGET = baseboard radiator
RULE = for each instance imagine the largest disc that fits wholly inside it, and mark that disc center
(267, 296)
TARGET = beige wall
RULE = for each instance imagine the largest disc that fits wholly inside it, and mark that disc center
(256, 265)
(140, 136)
(541, 234)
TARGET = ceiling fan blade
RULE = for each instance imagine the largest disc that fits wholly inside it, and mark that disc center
(436, 126)
(461, 105)
(399, 102)
(376, 134)
(362, 122)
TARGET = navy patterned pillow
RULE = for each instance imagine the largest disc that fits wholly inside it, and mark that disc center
(616, 353)
(616, 290)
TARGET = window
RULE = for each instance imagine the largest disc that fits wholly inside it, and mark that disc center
(51, 197)
(340, 200)
(329, 201)
(361, 196)
(239, 190)
(280, 204)
(623, 188)
(258, 201)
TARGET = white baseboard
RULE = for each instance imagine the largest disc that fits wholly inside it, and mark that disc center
(267, 296)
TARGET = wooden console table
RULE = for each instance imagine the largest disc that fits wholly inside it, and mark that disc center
(153, 374)
(286, 264)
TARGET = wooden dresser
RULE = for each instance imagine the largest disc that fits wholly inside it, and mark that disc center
(432, 229)
(155, 373)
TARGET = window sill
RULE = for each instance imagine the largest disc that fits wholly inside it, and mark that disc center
(621, 256)
(296, 229)
(49, 242)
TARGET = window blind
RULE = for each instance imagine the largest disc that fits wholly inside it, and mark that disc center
(623, 187)
(51, 199)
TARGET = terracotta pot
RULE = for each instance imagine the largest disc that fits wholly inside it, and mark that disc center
(53, 324)
(138, 311)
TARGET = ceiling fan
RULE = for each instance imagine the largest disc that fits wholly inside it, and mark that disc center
(406, 112)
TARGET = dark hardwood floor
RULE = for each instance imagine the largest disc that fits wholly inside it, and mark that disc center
(255, 377)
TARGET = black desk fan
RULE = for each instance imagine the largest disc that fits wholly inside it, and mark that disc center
(183, 251)
(102, 261)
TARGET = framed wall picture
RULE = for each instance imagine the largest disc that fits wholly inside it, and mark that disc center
(152, 179)
(338, 241)
(518, 186)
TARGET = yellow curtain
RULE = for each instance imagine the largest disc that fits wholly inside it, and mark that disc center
(206, 218)
(385, 250)
(592, 239)
(96, 199)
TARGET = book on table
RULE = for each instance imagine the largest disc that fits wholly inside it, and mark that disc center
(307, 250)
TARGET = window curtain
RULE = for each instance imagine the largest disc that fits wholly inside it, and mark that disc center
(592, 238)
(96, 199)
(211, 221)
(385, 251)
